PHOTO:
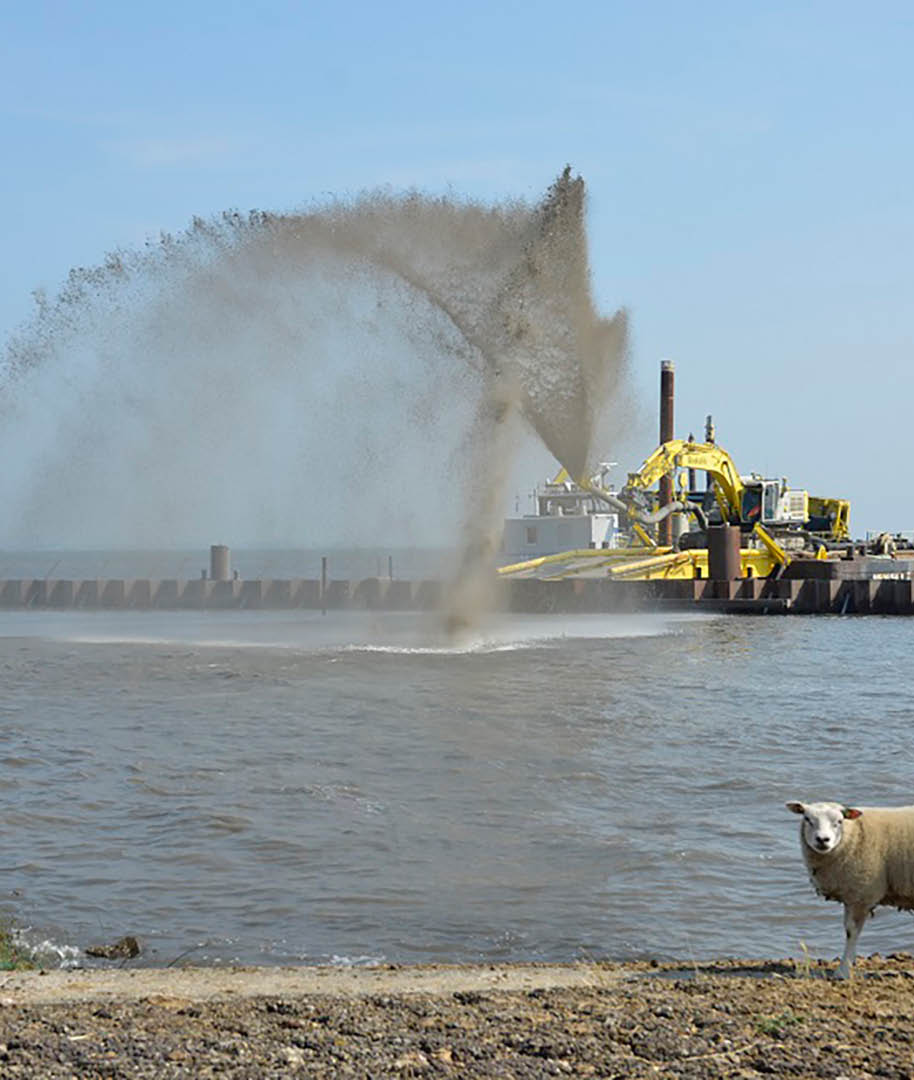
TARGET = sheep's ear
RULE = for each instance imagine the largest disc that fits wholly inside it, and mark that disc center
(796, 807)
(850, 812)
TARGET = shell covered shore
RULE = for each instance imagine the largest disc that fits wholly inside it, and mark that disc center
(725, 1019)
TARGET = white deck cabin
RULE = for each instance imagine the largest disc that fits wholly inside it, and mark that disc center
(568, 518)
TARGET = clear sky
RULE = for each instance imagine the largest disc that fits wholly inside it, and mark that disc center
(749, 169)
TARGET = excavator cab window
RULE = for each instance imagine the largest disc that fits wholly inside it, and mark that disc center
(771, 492)
(751, 509)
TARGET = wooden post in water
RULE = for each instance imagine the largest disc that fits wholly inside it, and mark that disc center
(323, 584)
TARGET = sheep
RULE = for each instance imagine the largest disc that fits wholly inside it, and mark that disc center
(862, 857)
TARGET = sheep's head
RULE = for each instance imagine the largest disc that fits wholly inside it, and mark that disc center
(823, 823)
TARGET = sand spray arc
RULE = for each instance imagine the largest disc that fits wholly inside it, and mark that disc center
(515, 327)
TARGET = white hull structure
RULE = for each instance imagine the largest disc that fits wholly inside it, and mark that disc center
(568, 518)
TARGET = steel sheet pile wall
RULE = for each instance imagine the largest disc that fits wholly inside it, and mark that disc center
(807, 596)
(205, 593)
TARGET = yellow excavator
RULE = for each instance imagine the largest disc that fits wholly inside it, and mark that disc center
(765, 508)
(751, 502)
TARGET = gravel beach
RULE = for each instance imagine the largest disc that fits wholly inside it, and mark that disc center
(726, 1019)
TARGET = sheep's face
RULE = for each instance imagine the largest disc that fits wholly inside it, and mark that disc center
(823, 823)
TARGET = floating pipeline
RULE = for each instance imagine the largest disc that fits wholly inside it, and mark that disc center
(887, 593)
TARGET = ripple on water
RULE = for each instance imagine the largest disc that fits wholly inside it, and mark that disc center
(598, 793)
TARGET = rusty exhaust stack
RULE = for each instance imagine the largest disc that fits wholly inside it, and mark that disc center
(665, 536)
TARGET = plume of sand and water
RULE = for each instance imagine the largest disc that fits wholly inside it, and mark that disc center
(362, 365)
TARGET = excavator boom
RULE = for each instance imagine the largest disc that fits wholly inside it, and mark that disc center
(679, 453)
(751, 501)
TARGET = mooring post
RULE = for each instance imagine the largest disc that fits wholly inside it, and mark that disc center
(724, 562)
(220, 561)
(323, 584)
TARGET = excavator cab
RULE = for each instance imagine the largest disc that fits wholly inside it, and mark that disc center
(760, 502)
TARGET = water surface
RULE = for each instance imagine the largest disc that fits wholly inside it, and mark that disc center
(276, 787)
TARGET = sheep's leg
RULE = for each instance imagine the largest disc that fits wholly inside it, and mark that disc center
(854, 918)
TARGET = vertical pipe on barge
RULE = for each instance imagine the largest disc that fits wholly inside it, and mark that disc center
(666, 434)
(724, 562)
(709, 438)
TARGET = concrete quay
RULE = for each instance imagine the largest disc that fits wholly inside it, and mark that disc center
(798, 596)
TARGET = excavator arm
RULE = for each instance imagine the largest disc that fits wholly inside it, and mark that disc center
(709, 458)
(706, 457)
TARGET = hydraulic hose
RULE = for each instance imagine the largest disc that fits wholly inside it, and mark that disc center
(607, 496)
(653, 518)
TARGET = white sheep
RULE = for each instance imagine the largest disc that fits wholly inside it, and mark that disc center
(862, 857)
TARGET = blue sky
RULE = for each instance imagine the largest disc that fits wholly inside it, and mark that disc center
(749, 169)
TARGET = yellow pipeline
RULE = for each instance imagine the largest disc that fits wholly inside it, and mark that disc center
(545, 560)
(645, 567)
(606, 554)
(630, 563)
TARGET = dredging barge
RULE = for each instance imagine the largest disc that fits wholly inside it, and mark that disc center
(739, 542)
